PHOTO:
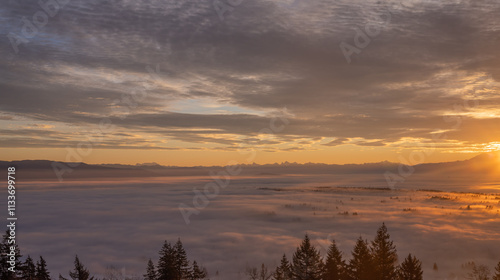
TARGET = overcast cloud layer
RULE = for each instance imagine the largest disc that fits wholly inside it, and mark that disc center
(428, 65)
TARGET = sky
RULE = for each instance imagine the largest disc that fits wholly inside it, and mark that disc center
(207, 82)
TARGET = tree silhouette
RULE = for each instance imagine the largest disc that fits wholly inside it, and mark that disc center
(150, 271)
(334, 264)
(410, 269)
(479, 272)
(166, 267)
(174, 264)
(80, 272)
(283, 271)
(5, 273)
(384, 255)
(28, 270)
(181, 261)
(361, 265)
(41, 270)
(197, 272)
(307, 264)
(497, 272)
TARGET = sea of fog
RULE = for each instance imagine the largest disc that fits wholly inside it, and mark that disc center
(254, 220)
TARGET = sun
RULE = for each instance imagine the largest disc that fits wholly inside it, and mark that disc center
(492, 147)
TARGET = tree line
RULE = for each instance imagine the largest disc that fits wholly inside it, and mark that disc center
(375, 260)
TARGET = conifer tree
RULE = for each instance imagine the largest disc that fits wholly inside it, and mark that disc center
(150, 271)
(80, 272)
(181, 261)
(166, 268)
(497, 272)
(306, 263)
(283, 271)
(334, 264)
(197, 272)
(28, 271)
(384, 255)
(361, 266)
(41, 270)
(410, 269)
(5, 273)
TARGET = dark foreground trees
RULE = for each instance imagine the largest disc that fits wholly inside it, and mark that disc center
(376, 260)
(41, 270)
(384, 255)
(306, 263)
(370, 261)
(79, 272)
(173, 264)
(410, 269)
(284, 270)
(361, 266)
(497, 272)
(335, 267)
(26, 270)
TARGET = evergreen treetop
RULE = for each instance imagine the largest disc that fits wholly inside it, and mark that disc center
(361, 264)
(41, 270)
(384, 255)
(410, 269)
(306, 263)
(334, 264)
(150, 271)
(283, 271)
(80, 272)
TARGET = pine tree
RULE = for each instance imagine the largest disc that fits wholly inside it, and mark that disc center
(283, 272)
(150, 271)
(28, 271)
(181, 261)
(41, 270)
(497, 272)
(197, 272)
(334, 264)
(5, 273)
(80, 272)
(166, 268)
(361, 266)
(307, 264)
(384, 255)
(410, 269)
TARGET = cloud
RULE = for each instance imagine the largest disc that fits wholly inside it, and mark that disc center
(261, 58)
